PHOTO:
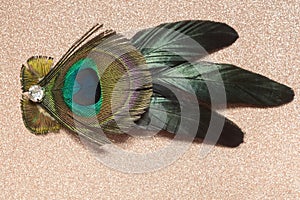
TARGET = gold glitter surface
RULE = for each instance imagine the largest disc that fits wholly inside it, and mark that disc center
(57, 166)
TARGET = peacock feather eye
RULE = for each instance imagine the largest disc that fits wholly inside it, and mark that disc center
(99, 85)
(108, 83)
(82, 88)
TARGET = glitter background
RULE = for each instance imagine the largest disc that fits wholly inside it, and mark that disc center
(57, 166)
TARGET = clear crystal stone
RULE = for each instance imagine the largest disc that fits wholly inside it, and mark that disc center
(36, 93)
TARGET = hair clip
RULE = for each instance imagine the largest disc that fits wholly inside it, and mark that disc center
(110, 83)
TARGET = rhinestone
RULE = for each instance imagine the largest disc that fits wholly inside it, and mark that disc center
(36, 93)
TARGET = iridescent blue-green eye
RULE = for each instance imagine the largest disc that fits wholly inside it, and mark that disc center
(82, 88)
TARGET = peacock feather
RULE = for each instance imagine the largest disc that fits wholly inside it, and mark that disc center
(110, 83)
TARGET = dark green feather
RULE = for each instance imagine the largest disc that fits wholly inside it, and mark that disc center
(171, 44)
(241, 86)
(165, 113)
